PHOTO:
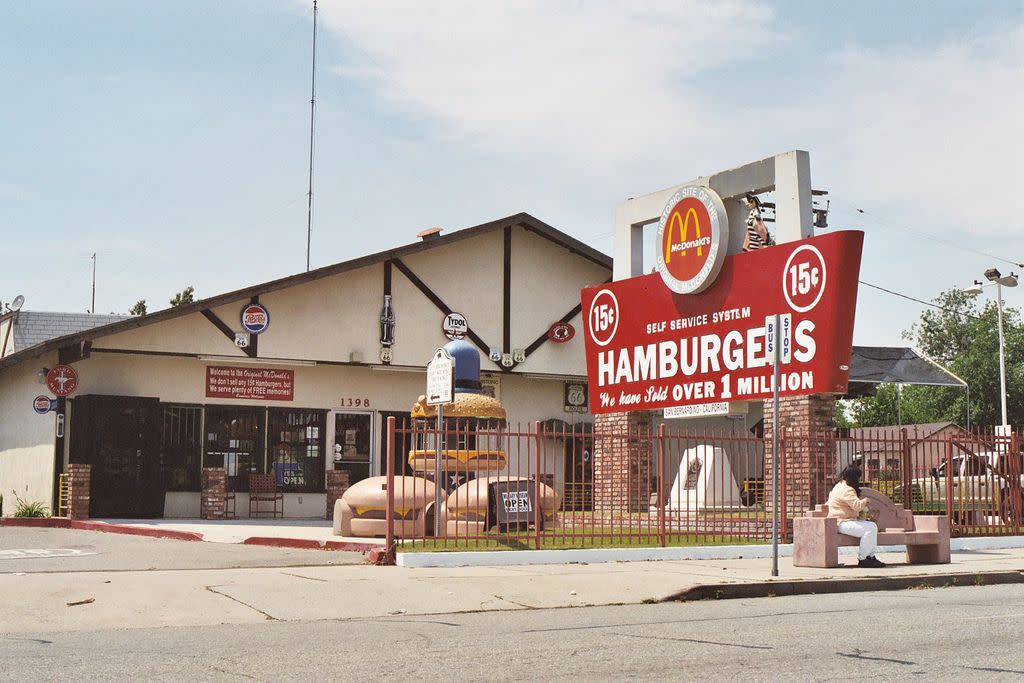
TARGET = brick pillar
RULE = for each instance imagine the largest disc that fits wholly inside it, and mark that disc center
(79, 477)
(622, 462)
(337, 484)
(214, 496)
(809, 424)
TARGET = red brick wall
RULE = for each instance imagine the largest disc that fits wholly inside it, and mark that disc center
(337, 484)
(622, 462)
(214, 494)
(79, 477)
(808, 464)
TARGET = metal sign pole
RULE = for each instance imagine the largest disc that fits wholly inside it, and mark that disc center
(437, 471)
(775, 451)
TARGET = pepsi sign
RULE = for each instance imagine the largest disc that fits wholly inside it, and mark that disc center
(255, 318)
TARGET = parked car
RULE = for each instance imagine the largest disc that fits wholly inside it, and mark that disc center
(976, 485)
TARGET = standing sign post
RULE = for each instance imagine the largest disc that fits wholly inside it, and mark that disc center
(772, 347)
(440, 383)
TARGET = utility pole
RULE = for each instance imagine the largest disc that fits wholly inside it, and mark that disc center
(93, 309)
(312, 107)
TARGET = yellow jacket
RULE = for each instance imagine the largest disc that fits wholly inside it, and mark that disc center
(843, 502)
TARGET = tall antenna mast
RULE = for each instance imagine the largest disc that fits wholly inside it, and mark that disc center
(93, 309)
(312, 106)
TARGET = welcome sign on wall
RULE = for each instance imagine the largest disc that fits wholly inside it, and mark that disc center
(650, 347)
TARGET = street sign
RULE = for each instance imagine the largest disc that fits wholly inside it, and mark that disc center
(62, 380)
(440, 378)
(255, 318)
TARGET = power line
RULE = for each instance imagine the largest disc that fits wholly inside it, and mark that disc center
(949, 243)
(920, 301)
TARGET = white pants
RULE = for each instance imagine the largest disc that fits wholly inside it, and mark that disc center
(866, 531)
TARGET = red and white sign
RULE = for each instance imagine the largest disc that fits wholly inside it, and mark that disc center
(693, 236)
(649, 347)
(255, 318)
(42, 404)
(561, 332)
(260, 384)
(61, 380)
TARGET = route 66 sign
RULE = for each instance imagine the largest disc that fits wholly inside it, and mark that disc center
(495, 355)
(519, 355)
(506, 360)
(575, 397)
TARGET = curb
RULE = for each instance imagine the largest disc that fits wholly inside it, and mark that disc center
(732, 591)
(311, 544)
(87, 525)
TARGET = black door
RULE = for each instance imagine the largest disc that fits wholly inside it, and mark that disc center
(403, 423)
(120, 437)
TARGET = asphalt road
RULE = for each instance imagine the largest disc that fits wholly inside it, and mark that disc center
(71, 550)
(967, 633)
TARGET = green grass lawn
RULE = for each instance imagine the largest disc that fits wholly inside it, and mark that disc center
(555, 540)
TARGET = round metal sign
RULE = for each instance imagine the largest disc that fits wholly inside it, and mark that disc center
(561, 332)
(255, 318)
(455, 326)
(61, 380)
(693, 237)
(41, 404)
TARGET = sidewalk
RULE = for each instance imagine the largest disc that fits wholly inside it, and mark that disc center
(39, 602)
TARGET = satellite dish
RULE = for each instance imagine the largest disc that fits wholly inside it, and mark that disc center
(18, 302)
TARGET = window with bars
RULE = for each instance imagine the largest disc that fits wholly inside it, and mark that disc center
(180, 447)
(234, 440)
(296, 447)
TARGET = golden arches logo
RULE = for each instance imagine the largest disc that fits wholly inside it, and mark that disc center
(684, 229)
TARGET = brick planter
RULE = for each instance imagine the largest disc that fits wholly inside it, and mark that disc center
(214, 496)
(79, 477)
(622, 461)
(337, 484)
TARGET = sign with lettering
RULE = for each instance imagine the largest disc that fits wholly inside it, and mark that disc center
(511, 503)
(258, 384)
(62, 380)
(649, 347)
(255, 318)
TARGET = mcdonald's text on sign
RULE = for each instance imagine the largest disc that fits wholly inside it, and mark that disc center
(649, 347)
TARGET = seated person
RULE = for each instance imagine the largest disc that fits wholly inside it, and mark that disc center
(846, 505)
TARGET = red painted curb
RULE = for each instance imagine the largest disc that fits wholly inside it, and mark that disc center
(136, 530)
(46, 522)
(353, 546)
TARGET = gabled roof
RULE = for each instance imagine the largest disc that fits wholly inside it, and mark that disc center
(36, 327)
(919, 431)
(523, 220)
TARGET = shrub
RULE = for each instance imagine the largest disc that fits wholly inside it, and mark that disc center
(25, 508)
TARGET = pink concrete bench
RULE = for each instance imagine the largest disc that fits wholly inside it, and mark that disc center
(816, 538)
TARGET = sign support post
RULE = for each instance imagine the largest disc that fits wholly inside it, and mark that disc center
(775, 446)
(440, 390)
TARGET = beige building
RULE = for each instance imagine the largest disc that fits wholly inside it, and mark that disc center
(160, 396)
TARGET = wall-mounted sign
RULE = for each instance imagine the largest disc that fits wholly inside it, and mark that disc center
(262, 384)
(387, 323)
(506, 360)
(43, 404)
(649, 348)
(255, 318)
(494, 354)
(575, 397)
(242, 339)
(693, 237)
(561, 332)
(62, 380)
(698, 410)
(455, 326)
(490, 384)
(519, 355)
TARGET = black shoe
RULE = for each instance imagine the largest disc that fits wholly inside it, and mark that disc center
(871, 562)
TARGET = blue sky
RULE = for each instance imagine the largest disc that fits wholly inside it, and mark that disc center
(172, 138)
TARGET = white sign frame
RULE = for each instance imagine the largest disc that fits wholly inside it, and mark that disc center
(441, 379)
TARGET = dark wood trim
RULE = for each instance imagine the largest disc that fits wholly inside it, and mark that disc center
(387, 277)
(436, 300)
(254, 339)
(139, 352)
(226, 330)
(227, 359)
(506, 304)
(559, 242)
(58, 455)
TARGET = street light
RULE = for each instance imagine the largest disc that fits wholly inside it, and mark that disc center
(999, 280)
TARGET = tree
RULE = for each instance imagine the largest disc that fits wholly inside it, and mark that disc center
(183, 297)
(139, 308)
(963, 338)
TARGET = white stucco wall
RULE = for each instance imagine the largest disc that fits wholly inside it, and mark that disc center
(27, 439)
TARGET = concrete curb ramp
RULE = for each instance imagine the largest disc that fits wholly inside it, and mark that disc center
(731, 591)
